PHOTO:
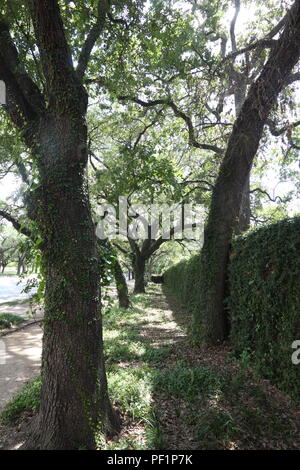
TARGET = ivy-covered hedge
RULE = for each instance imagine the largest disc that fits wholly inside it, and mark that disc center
(264, 302)
(182, 280)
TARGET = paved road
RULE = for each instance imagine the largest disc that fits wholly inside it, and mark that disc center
(11, 289)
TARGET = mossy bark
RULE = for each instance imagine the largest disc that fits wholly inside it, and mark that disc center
(74, 399)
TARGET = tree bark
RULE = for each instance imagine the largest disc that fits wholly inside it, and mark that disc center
(74, 399)
(210, 323)
(122, 288)
(139, 266)
(245, 211)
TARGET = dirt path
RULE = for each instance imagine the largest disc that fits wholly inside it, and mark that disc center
(22, 357)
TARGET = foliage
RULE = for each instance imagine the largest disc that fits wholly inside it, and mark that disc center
(182, 280)
(263, 306)
(187, 382)
(264, 300)
(7, 320)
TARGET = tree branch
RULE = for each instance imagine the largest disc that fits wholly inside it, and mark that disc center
(233, 23)
(260, 44)
(294, 77)
(259, 190)
(266, 42)
(16, 224)
(120, 248)
(26, 92)
(157, 243)
(61, 78)
(192, 139)
(277, 132)
(143, 132)
(93, 35)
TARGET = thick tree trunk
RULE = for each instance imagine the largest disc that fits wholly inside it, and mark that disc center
(74, 399)
(210, 322)
(240, 94)
(139, 275)
(121, 285)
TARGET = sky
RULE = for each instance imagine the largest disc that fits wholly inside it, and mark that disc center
(8, 185)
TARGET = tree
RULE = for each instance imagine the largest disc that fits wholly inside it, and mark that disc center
(8, 249)
(121, 285)
(111, 267)
(210, 322)
(195, 92)
(74, 398)
(142, 176)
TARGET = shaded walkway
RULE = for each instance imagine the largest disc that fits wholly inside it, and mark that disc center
(22, 357)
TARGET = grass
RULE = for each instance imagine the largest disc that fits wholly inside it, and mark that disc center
(13, 303)
(27, 400)
(190, 383)
(7, 320)
(172, 396)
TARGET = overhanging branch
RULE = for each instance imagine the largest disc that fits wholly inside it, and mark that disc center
(97, 28)
(261, 191)
(192, 139)
(16, 224)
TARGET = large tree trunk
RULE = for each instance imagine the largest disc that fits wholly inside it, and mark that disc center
(243, 223)
(210, 322)
(74, 399)
(121, 285)
(139, 266)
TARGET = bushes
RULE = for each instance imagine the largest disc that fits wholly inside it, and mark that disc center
(264, 302)
(183, 281)
(7, 320)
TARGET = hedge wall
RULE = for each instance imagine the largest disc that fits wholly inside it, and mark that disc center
(183, 281)
(264, 302)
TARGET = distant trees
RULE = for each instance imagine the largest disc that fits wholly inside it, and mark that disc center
(11, 251)
(199, 88)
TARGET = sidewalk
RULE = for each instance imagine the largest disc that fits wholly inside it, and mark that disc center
(22, 360)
